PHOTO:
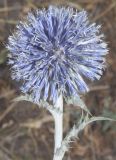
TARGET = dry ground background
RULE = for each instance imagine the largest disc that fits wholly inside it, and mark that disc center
(26, 132)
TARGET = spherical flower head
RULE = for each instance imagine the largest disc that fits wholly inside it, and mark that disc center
(54, 52)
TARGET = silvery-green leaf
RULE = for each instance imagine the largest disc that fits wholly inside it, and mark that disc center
(44, 104)
(25, 97)
(77, 101)
(74, 132)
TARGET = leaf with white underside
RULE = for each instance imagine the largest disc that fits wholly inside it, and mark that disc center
(25, 97)
(74, 132)
(44, 104)
(77, 101)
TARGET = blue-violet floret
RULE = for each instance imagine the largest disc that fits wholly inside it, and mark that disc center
(54, 51)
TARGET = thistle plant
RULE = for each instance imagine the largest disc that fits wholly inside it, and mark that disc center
(52, 53)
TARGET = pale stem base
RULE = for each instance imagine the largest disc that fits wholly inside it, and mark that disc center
(58, 118)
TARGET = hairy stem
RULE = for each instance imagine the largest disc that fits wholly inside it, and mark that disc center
(58, 118)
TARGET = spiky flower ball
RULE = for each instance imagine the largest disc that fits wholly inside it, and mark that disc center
(54, 51)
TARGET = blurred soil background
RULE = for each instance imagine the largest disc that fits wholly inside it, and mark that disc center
(26, 131)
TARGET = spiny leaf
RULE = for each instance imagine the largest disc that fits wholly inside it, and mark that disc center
(44, 104)
(74, 132)
(77, 101)
(25, 97)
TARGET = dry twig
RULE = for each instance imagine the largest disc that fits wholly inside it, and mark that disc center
(105, 12)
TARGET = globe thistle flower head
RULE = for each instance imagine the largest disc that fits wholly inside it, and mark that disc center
(54, 52)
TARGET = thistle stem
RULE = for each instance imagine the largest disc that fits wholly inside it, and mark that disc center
(58, 118)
